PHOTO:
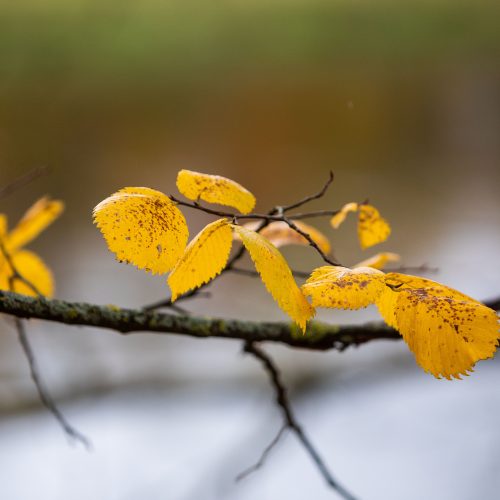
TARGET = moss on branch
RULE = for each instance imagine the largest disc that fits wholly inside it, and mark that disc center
(319, 336)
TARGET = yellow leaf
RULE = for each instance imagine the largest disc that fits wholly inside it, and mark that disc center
(3, 225)
(32, 269)
(34, 221)
(143, 227)
(277, 276)
(379, 260)
(446, 330)
(343, 288)
(215, 189)
(204, 258)
(279, 233)
(372, 227)
(340, 216)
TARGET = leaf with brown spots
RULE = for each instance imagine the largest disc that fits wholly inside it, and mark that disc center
(342, 288)
(446, 330)
(372, 227)
(204, 258)
(280, 234)
(215, 189)
(379, 261)
(143, 227)
(276, 275)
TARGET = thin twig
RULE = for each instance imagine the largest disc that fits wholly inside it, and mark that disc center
(289, 417)
(22, 180)
(312, 197)
(316, 213)
(43, 392)
(312, 243)
(264, 455)
(423, 268)
(254, 274)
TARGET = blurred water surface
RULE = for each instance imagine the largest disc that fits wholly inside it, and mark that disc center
(400, 100)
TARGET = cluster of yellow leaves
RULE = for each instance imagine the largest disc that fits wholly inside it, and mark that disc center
(29, 265)
(372, 227)
(145, 228)
(447, 331)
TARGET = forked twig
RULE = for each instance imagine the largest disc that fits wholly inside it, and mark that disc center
(290, 420)
(257, 465)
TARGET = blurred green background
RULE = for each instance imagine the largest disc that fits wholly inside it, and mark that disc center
(400, 99)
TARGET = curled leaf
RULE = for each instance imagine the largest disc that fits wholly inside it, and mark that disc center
(446, 330)
(342, 288)
(204, 258)
(215, 189)
(276, 275)
(279, 233)
(372, 227)
(379, 261)
(143, 227)
(32, 269)
(41, 214)
(340, 216)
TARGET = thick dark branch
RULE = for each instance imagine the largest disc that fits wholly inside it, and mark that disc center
(319, 336)
(290, 420)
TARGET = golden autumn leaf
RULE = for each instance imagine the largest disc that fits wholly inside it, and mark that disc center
(32, 269)
(27, 264)
(34, 221)
(204, 258)
(340, 216)
(215, 189)
(3, 225)
(279, 233)
(276, 275)
(342, 288)
(379, 261)
(143, 227)
(446, 330)
(372, 227)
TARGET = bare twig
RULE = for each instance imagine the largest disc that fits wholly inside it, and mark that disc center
(316, 213)
(312, 243)
(43, 392)
(264, 455)
(254, 274)
(312, 197)
(289, 417)
(22, 180)
(423, 268)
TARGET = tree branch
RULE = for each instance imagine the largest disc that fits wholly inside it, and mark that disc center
(319, 336)
(290, 420)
